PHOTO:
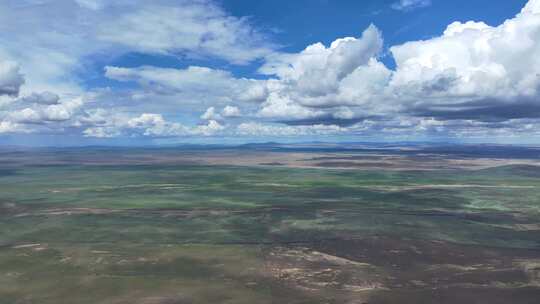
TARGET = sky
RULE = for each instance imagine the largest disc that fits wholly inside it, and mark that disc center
(134, 72)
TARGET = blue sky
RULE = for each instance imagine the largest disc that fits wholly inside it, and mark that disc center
(77, 72)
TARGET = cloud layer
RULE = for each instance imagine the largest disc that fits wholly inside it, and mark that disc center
(472, 80)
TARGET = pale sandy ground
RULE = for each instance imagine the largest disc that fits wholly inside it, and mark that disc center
(338, 160)
(344, 161)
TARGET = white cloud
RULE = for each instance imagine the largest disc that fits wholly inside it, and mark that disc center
(211, 114)
(155, 125)
(94, 117)
(532, 7)
(473, 77)
(474, 59)
(211, 128)
(193, 84)
(317, 70)
(227, 112)
(407, 5)
(346, 73)
(110, 125)
(103, 124)
(343, 113)
(471, 67)
(46, 113)
(53, 40)
(101, 132)
(256, 91)
(11, 127)
(284, 107)
(231, 111)
(272, 130)
(26, 115)
(146, 120)
(193, 28)
(192, 79)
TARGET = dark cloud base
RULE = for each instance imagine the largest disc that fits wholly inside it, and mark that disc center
(487, 110)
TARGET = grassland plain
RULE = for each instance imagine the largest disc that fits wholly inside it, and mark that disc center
(162, 226)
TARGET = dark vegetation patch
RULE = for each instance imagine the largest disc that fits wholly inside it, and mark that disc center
(345, 164)
(4, 172)
(514, 170)
(272, 164)
(354, 157)
(403, 270)
(465, 294)
(179, 266)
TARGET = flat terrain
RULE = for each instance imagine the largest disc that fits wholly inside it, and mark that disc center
(270, 223)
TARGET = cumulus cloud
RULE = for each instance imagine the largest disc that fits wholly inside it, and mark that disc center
(256, 91)
(110, 125)
(407, 5)
(231, 111)
(472, 62)
(45, 113)
(228, 112)
(209, 129)
(318, 70)
(104, 124)
(11, 127)
(26, 115)
(280, 106)
(472, 71)
(313, 84)
(321, 80)
(210, 114)
(84, 28)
